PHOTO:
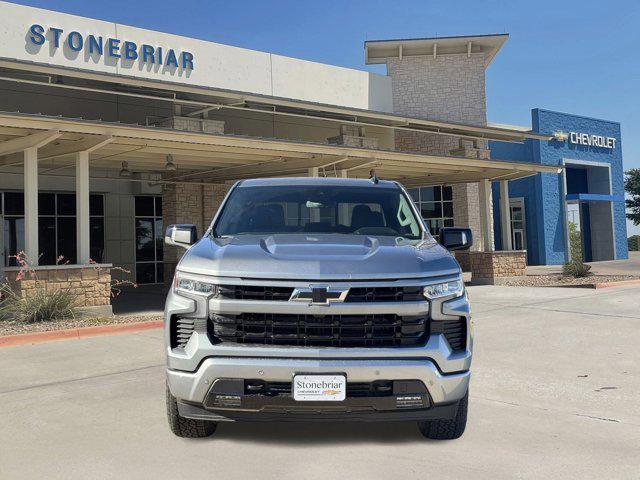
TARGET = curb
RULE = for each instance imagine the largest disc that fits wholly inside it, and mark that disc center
(615, 284)
(82, 332)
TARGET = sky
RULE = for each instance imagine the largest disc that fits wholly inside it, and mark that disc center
(579, 57)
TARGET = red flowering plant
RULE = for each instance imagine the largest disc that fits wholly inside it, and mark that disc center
(37, 303)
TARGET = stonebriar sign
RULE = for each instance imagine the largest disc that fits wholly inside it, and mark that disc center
(115, 48)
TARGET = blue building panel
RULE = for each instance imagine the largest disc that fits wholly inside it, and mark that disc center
(592, 144)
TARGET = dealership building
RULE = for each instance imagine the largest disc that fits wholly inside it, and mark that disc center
(108, 133)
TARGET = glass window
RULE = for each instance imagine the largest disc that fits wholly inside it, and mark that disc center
(149, 239)
(96, 205)
(66, 236)
(158, 207)
(430, 194)
(66, 203)
(313, 209)
(159, 238)
(436, 206)
(145, 206)
(56, 226)
(13, 239)
(447, 209)
(46, 204)
(431, 210)
(145, 272)
(144, 240)
(14, 203)
(47, 240)
(96, 239)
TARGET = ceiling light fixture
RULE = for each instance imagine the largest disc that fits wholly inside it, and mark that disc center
(124, 171)
(169, 165)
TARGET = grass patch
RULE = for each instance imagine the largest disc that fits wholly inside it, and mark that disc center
(38, 306)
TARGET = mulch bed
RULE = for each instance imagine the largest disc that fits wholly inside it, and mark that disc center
(16, 328)
(562, 281)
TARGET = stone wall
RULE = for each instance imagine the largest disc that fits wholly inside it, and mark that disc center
(90, 284)
(449, 88)
(463, 257)
(493, 267)
(466, 211)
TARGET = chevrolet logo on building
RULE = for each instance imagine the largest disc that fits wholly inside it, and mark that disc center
(319, 295)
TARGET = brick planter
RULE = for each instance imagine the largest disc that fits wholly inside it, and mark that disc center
(464, 259)
(91, 284)
(492, 268)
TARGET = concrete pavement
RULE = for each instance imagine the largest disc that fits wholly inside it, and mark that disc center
(555, 391)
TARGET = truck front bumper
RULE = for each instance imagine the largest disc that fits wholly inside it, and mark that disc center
(194, 390)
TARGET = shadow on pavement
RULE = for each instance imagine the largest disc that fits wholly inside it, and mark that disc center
(309, 433)
(143, 300)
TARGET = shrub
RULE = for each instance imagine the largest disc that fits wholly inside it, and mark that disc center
(634, 243)
(38, 306)
(575, 242)
(576, 269)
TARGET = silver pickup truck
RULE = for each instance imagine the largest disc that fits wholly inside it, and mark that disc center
(317, 299)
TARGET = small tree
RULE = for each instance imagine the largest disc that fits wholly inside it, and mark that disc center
(632, 187)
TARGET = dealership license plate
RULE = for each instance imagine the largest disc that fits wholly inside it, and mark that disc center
(319, 388)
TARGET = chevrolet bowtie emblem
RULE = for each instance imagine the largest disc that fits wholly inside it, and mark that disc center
(319, 295)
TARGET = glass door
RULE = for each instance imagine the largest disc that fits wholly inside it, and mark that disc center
(518, 229)
(149, 245)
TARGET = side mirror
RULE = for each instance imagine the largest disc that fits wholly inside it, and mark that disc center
(455, 238)
(182, 235)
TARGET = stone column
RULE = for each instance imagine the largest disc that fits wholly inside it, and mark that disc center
(486, 217)
(31, 247)
(505, 215)
(189, 203)
(82, 208)
(181, 203)
(466, 211)
(449, 88)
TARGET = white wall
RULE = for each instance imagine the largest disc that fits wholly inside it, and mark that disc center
(215, 65)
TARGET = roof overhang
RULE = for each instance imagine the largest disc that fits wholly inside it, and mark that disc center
(377, 51)
(201, 98)
(212, 158)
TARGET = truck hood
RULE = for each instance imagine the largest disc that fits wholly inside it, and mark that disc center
(318, 257)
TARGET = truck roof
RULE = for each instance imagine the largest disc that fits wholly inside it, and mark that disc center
(354, 182)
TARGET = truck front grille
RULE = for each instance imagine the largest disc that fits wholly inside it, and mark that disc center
(385, 294)
(376, 330)
(355, 295)
(250, 292)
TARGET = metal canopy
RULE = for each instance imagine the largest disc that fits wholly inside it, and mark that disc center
(208, 158)
(197, 100)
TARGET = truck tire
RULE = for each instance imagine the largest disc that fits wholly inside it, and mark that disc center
(447, 429)
(186, 427)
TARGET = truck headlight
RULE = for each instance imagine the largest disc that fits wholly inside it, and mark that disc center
(188, 285)
(446, 289)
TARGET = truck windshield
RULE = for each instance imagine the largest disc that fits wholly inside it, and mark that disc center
(318, 209)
